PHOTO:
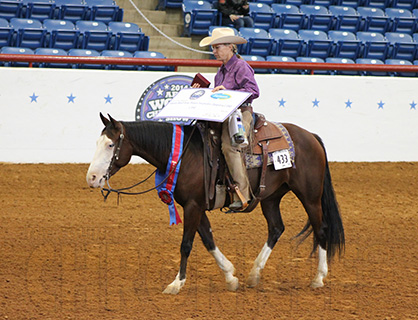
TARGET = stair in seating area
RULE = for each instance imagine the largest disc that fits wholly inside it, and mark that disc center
(170, 22)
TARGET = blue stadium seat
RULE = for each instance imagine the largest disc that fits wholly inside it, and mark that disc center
(312, 60)
(317, 44)
(286, 43)
(382, 4)
(198, 16)
(374, 19)
(259, 43)
(72, 10)
(342, 61)
(85, 53)
(288, 16)
(214, 27)
(30, 33)
(405, 4)
(415, 62)
(319, 17)
(262, 14)
(402, 46)
(171, 3)
(38, 9)
(297, 3)
(16, 50)
(256, 58)
(351, 3)
(374, 44)
(61, 34)
(95, 35)
(128, 37)
(10, 9)
(282, 59)
(103, 10)
(400, 62)
(118, 54)
(269, 2)
(325, 3)
(6, 33)
(52, 52)
(371, 61)
(402, 20)
(152, 55)
(347, 18)
(346, 44)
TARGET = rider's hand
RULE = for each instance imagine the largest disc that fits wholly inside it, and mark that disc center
(221, 87)
(196, 85)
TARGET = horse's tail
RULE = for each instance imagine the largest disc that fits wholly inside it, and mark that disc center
(334, 230)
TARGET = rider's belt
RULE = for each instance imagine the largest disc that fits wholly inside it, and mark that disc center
(246, 107)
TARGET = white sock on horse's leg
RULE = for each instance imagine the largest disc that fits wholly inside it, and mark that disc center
(228, 269)
(259, 265)
(322, 271)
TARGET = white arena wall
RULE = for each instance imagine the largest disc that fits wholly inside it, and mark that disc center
(51, 115)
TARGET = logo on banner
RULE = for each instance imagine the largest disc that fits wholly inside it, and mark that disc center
(220, 95)
(196, 95)
(158, 95)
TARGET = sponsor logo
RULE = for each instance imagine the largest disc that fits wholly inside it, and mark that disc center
(220, 95)
(196, 95)
(158, 95)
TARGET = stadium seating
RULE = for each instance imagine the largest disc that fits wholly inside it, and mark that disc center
(256, 58)
(152, 55)
(72, 10)
(317, 43)
(85, 53)
(400, 62)
(6, 33)
(404, 4)
(312, 60)
(346, 44)
(61, 34)
(288, 16)
(282, 59)
(402, 46)
(402, 20)
(346, 18)
(16, 50)
(371, 61)
(103, 10)
(52, 52)
(95, 35)
(128, 37)
(29, 33)
(10, 9)
(382, 4)
(374, 45)
(286, 43)
(319, 17)
(118, 54)
(259, 43)
(342, 61)
(198, 16)
(374, 19)
(262, 15)
(39, 9)
(351, 3)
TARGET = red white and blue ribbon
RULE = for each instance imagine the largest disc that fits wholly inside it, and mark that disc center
(166, 189)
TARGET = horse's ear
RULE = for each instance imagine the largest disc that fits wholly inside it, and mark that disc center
(116, 124)
(104, 120)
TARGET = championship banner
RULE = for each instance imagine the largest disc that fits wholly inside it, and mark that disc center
(203, 104)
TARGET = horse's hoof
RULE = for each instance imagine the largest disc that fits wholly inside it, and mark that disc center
(232, 285)
(253, 280)
(171, 289)
(317, 283)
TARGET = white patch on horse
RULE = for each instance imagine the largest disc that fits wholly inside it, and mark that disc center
(322, 271)
(175, 286)
(259, 265)
(100, 163)
(228, 269)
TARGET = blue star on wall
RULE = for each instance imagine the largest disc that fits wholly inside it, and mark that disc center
(348, 103)
(33, 98)
(315, 103)
(71, 98)
(108, 99)
(380, 105)
(282, 102)
(413, 105)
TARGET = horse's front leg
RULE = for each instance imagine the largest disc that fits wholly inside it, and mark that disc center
(192, 216)
(224, 264)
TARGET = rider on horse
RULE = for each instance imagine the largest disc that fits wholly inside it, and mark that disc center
(234, 74)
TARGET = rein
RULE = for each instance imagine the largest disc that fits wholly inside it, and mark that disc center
(107, 191)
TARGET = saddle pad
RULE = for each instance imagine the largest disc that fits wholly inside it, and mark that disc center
(256, 160)
(273, 134)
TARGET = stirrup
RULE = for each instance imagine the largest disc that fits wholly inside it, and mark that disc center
(242, 198)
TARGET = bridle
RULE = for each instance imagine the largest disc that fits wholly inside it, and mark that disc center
(107, 191)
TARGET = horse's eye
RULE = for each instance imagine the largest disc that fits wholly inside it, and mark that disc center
(111, 145)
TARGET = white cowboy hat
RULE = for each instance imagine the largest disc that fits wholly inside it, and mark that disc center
(222, 35)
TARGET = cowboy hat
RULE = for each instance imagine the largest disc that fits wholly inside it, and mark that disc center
(222, 35)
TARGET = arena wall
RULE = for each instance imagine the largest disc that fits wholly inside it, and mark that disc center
(51, 115)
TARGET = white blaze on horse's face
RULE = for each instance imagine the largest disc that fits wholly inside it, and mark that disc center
(100, 163)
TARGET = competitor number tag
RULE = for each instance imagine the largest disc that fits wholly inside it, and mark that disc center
(281, 159)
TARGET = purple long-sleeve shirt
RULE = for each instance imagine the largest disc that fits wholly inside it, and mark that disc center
(238, 75)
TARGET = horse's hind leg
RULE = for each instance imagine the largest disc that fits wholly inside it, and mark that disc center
(271, 211)
(224, 264)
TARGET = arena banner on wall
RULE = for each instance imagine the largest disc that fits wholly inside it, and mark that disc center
(203, 104)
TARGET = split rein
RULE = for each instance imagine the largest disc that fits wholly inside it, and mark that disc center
(107, 191)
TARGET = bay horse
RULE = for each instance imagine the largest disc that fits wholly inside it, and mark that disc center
(309, 179)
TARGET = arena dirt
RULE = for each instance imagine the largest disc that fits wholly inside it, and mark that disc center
(67, 254)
